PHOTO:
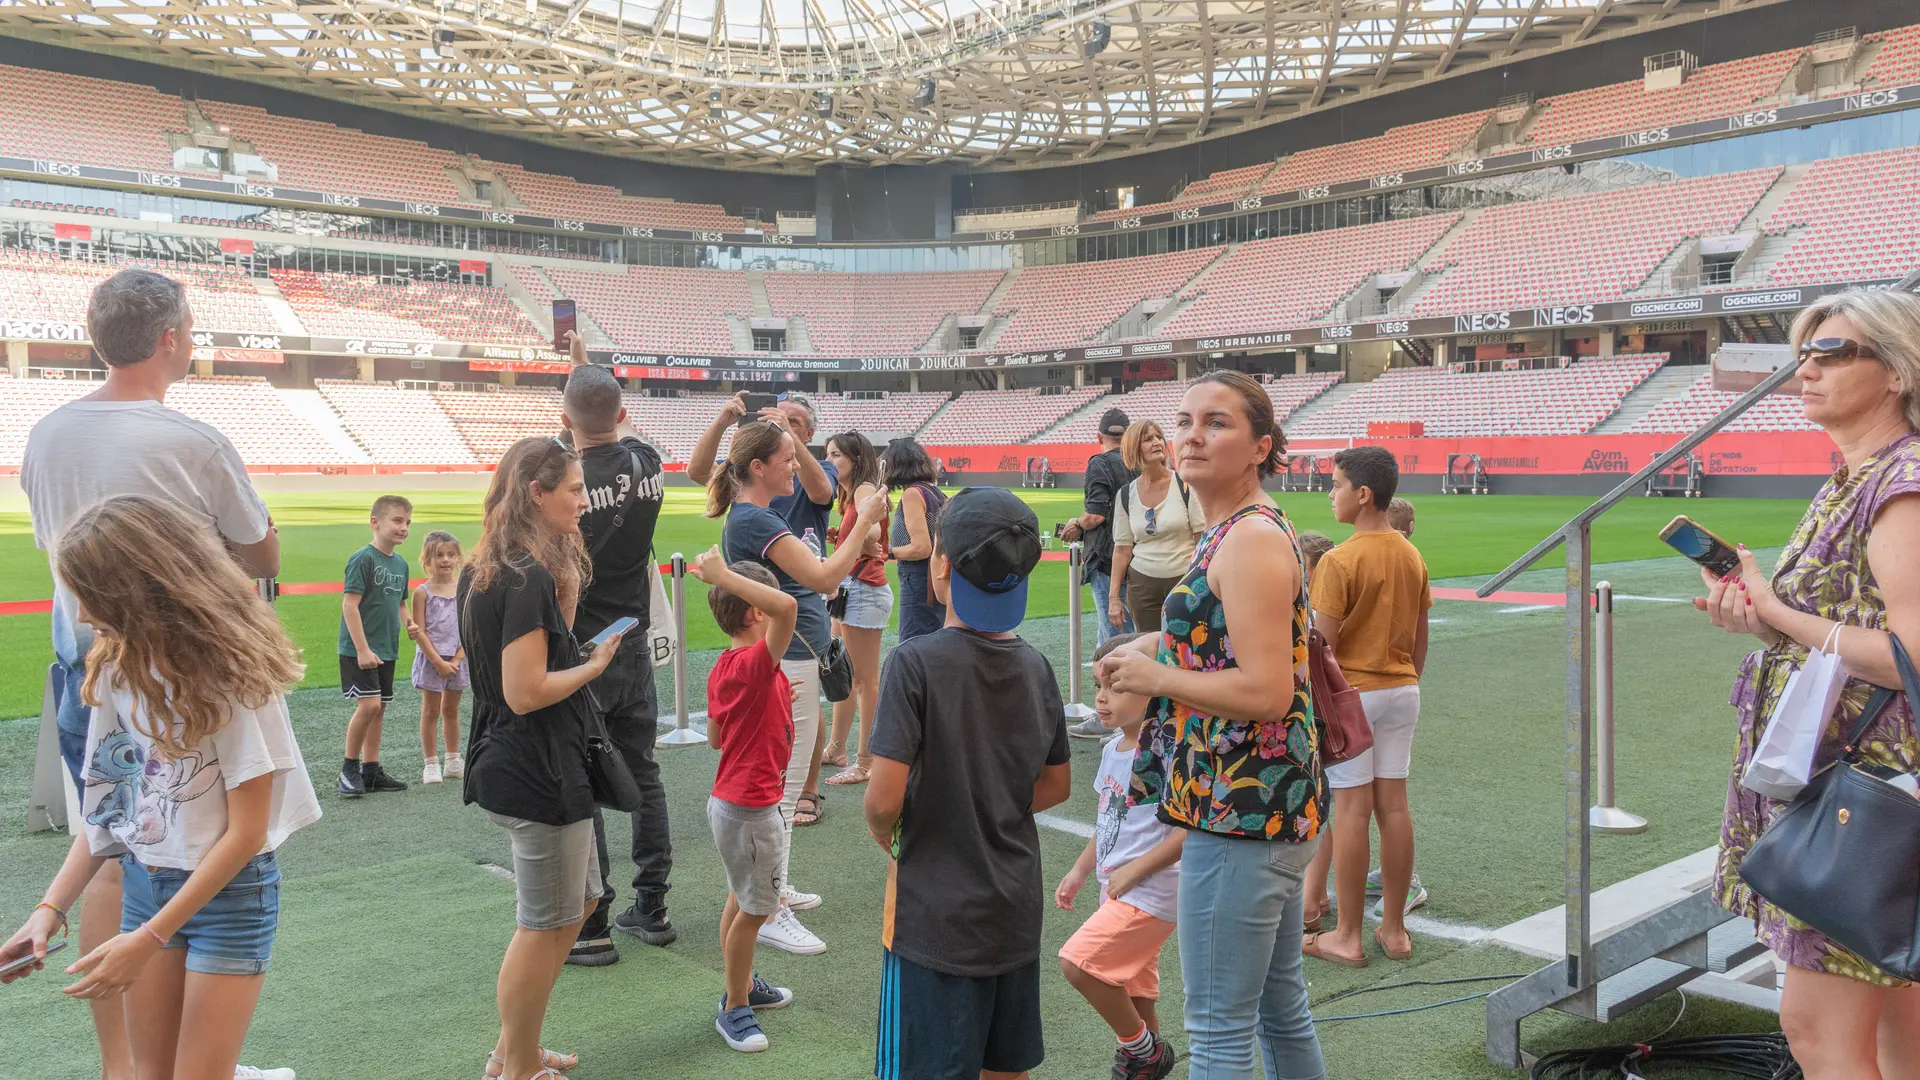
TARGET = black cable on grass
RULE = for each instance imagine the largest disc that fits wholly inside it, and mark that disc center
(1412, 1008)
(1757, 1057)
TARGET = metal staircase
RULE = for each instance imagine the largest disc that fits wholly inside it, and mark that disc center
(1602, 978)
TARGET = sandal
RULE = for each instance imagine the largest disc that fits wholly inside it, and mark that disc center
(1310, 946)
(809, 808)
(856, 775)
(551, 1064)
(835, 756)
(1391, 955)
(1313, 925)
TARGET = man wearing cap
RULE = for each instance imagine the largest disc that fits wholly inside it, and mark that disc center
(1106, 475)
(970, 741)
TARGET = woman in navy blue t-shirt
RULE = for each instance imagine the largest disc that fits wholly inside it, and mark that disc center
(759, 469)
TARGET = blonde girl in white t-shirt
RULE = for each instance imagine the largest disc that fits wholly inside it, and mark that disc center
(192, 778)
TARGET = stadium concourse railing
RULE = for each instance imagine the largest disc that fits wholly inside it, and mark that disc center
(1664, 949)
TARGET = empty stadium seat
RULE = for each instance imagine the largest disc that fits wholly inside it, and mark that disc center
(991, 417)
(1057, 306)
(1215, 188)
(1449, 401)
(344, 305)
(877, 314)
(23, 402)
(40, 285)
(1713, 90)
(1860, 214)
(395, 425)
(654, 308)
(255, 419)
(1410, 146)
(1583, 248)
(879, 419)
(1700, 402)
(1159, 401)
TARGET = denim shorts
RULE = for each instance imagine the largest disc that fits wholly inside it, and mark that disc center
(555, 875)
(232, 935)
(869, 607)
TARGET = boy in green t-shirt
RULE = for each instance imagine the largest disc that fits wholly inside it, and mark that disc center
(371, 615)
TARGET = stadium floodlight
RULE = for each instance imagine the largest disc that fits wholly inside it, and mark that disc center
(923, 97)
(1099, 33)
(823, 102)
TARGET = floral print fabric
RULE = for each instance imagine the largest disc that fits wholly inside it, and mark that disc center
(1232, 777)
(1823, 571)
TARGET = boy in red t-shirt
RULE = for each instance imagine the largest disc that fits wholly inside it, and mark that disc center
(750, 721)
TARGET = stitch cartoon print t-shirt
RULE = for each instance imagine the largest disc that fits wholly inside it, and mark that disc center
(170, 813)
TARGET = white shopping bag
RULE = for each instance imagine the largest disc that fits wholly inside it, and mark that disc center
(659, 617)
(1783, 762)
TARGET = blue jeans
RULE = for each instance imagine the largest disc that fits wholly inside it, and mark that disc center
(1102, 583)
(1240, 918)
(231, 935)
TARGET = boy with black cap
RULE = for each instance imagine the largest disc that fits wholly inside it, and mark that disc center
(970, 741)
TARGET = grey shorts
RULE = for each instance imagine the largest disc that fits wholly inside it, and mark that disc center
(869, 607)
(555, 874)
(753, 845)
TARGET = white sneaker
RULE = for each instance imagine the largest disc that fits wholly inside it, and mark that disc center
(799, 901)
(785, 933)
(248, 1072)
(455, 768)
(1416, 897)
(431, 774)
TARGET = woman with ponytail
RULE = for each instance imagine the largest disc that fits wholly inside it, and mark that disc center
(760, 468)
(527, 756)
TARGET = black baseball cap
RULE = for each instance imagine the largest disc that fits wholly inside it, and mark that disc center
(993, 541)
(1114, 423)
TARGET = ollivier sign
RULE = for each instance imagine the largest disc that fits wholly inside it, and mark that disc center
(1778, 453)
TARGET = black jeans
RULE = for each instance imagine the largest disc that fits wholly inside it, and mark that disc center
(625, 692)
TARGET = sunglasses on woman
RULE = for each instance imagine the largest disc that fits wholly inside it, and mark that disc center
(1835, 351)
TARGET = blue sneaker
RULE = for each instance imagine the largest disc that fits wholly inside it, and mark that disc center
(763, 996)
(739, 1028)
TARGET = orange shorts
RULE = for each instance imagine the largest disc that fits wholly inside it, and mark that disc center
(1120, 945)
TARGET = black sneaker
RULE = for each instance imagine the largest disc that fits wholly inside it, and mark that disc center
(650, 926)
(593, 952)
(376, 779)
(1155, 1064)
(351, 784)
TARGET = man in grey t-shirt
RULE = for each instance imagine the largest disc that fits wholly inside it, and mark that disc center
(123, 440)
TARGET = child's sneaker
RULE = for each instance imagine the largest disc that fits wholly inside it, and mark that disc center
(763, 996)
(431, 774)
(455, 768)
(1155, 1064)
(1416, 897)
(785, 933)
(351, 784)
(374, 778)
(248, 1072)
(799, 901)
(739, 1028)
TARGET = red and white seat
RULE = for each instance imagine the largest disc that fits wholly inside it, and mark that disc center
(1700, 402)
(1557, 401)
(989, 417)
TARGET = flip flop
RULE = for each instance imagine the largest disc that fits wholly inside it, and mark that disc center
(1391, 955)
(1310, 946)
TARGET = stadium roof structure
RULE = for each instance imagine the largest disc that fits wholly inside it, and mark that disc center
(787, 85)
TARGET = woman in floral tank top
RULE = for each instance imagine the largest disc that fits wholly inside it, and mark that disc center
(1850, 563)
(1230, 751)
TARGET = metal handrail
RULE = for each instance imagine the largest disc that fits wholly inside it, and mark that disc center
(1578, 761)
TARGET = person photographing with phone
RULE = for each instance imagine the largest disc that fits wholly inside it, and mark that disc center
(527, 761)
(624, 492)
(1847, 582)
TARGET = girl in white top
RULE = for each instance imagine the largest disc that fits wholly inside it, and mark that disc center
(1156, 524)
(193, 780)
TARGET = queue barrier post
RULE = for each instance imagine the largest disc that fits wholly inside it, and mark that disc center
(682, 733)
(1076, 711)
(1603, 815)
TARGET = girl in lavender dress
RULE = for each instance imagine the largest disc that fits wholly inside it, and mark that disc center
(1851, 563)
(439, 663)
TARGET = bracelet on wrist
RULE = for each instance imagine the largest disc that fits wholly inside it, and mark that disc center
(154, 934)
(57, 913)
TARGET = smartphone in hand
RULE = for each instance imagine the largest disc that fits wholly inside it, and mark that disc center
(618, 626)
(564, 320)
(29, 960)
(1694, 541)
(755, 403)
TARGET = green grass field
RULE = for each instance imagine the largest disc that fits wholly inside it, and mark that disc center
(393, 926)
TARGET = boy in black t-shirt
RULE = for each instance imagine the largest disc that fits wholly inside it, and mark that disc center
(960, 990)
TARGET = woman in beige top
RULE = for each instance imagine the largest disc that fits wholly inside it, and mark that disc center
(1156, 523)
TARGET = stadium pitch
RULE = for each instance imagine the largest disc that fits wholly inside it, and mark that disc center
(395, 918)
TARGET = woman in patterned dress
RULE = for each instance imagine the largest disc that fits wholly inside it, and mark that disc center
(1854, 560)
(1229, 750)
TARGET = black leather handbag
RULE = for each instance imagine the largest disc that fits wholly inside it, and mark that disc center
(1844, 857)
(614, 787)
(836, 669)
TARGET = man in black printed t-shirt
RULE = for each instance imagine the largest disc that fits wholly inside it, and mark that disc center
(623, 506)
